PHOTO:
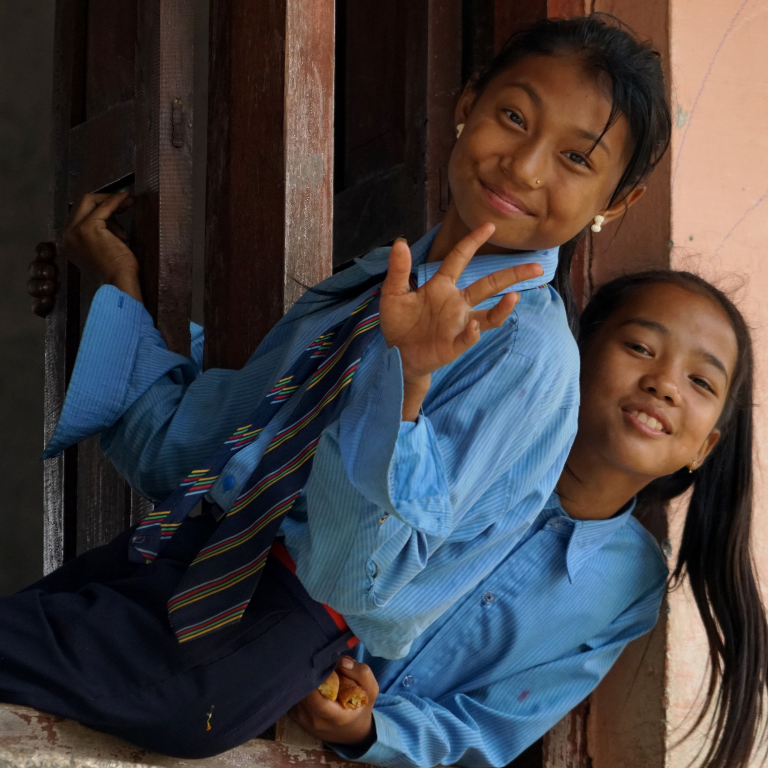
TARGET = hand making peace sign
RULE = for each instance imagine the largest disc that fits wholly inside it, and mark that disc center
(433, 325)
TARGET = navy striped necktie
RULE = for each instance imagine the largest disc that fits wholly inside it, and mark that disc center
(218, 585)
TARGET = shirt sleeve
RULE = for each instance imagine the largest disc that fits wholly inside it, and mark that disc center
(428, 476)
(494, 724)
(158, 414)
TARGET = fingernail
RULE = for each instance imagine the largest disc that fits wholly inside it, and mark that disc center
(401, 240)
(347, 663)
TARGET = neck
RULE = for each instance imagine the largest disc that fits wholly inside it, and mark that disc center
(591, 489)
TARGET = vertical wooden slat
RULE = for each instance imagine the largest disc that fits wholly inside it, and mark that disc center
(270, 166)
(309, 83)
(62, 326)
(565, 745)
(443, 63)
(163, 187)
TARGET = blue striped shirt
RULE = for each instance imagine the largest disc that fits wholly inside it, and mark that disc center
(397, 520)
(534, 637)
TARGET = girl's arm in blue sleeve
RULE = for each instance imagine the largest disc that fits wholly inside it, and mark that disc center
(494, 724)
(158, 414)
(432, 476)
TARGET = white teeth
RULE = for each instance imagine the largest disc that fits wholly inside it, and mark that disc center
(648, 420)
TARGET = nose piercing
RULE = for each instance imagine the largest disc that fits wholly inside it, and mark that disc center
(598, 225)
(459, 129)
(538, 181)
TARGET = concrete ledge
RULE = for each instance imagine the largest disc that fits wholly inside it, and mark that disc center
(31, 739)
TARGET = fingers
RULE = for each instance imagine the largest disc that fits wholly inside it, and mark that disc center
(496, 282)
(496, 315)
(118, 201)
(112, 204)
(398, 269)
(456, 261)
(361, 674)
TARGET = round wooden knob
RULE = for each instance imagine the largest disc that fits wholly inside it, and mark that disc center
(43, 284)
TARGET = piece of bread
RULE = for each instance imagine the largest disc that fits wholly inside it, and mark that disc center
(350, 694)
(330, 688)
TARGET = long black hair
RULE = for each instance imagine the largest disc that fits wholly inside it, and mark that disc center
(715, 552)
(629, 69)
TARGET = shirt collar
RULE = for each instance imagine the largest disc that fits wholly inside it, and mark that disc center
(586, 536)
(375, 263)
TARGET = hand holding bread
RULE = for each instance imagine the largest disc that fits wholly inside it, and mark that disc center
(347, 692)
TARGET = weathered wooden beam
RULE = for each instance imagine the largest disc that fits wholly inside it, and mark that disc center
(62, 325)
(270, 166)
(101, 150)
(163, 188)
(36, 740)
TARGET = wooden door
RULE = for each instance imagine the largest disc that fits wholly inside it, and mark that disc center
(122, 115)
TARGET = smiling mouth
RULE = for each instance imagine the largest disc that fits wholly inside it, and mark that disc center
(647, 424)
(503, 202)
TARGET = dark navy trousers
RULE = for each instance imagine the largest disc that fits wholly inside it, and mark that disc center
(92, 642)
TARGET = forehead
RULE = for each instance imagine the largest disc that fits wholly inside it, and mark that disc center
(694, 321)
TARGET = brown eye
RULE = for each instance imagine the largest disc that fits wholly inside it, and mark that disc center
(702, 383)
(514, 117)
(577, 158)
(638, 348)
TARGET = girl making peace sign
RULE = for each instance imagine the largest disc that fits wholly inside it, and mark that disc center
(433, 455)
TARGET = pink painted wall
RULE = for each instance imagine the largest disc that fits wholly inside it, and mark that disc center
(719, 67)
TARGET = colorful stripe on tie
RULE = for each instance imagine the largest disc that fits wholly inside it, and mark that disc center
(229, 616)
(243, 436)
(278, 510)
(213, 586)
(331, 395)
(297, 461)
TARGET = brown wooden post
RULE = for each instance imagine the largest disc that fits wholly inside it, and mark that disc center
(270, 166)
(60, 474)
(121, 113)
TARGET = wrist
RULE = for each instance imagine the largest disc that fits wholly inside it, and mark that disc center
(127, 281)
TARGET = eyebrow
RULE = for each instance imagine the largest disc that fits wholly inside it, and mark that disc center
(662, 329)
(597, 141)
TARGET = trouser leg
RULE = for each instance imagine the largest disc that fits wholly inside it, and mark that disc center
(104, 655)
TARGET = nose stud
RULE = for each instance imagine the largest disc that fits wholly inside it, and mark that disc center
(538, 181)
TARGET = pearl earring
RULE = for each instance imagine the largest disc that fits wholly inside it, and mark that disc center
(459, 129)
(598, 225)
(691, 467)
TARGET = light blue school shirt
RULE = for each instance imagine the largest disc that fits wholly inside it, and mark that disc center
(397, 520)
(532, 640)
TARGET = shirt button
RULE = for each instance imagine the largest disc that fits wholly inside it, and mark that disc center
(408, 681)
(228, 483)
(383, 517)
(488, 597)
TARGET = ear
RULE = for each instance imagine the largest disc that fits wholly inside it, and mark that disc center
(466, 101)
(707, 447)
(620, 207)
